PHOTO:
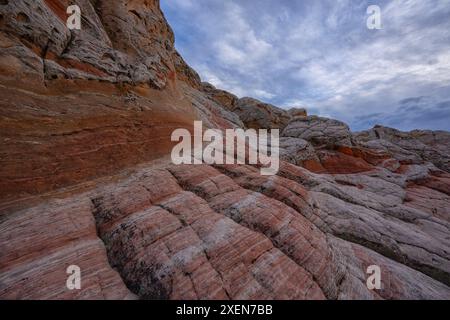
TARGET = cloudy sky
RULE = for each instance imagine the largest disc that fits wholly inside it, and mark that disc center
(319, 54)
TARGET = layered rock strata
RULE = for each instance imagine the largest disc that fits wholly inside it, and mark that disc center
(85, 178)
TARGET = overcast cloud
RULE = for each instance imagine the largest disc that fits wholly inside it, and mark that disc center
(320, 55)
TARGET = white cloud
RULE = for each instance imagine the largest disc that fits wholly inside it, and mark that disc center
(261, 94)
(319, 54)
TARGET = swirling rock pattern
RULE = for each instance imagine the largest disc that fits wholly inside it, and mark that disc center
(85, 178)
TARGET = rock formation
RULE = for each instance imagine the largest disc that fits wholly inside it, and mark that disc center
(86, 178)
(256, 114)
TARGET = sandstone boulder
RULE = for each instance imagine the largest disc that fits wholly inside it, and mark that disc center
(410, 147)
(119, 42)
(296, 151)
(258, 115)
(297, 112)
(226, 99)
(319, 131)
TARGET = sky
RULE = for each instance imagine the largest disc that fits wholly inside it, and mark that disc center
(320, 54)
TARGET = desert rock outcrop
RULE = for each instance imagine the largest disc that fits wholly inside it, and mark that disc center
(86, 178)
(258, 115)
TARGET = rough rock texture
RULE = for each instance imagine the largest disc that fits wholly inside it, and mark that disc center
(258, 115)
(97, 123)
(120, 41)
(410, 147)
(187, 248)
(297, 112)
(37, 246)
(297, 151)
(222, 97)
(318, 130)
(85, 178)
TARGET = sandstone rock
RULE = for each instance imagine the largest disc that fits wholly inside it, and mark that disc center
(91, 94)
(226, 99)
(391, 237)
(198, 254)
(119, 42)
(296, 151)
(258, 115)
(411, 147)
(214, 113)
(69, 135)
(39, 244)
(399, 282)
(287, 230)
(373, 193)
(428, 200)
(319, 131)
(297, 112)
(85, 178)
(184, 72)
(197, 234)
(337, 162)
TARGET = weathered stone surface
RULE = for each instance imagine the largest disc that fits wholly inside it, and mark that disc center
(186, 250)
(429, 200)
(69, 135)
(85, 178)
(62, 122)
(297, 112)
(39, 244)
(297, 151)
(410, 147)
(319, 131)
(210, 111)
(226, 99)
(258, 115)
(338, 162)
(399, 281)
(120, 42)
(195, 232)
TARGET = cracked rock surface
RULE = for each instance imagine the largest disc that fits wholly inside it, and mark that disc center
(86, 178)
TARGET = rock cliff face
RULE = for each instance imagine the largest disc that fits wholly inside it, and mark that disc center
(85, 178)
